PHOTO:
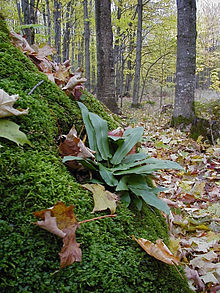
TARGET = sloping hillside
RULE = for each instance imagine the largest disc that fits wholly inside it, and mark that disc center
(34, 177)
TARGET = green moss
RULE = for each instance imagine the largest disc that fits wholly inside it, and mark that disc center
(210, 130)
(34, 178)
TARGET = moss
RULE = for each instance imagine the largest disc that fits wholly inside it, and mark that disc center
(198, 126)
(33, 178)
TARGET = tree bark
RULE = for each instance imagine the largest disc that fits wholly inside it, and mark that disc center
(57, 29)
(48, 22)
(105, 63)
(117, 55)
(138, 56)
(186, 59)
(87, 44)
(66, 37)
(26, 17)
(19, 12)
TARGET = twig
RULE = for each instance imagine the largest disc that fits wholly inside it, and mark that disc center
(31, 91)
(81, 130)
(98, 218)
(178, 270)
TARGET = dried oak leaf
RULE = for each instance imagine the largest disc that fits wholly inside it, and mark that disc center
(103, 199)
(61, 221)
(159, 250)
(6, 105)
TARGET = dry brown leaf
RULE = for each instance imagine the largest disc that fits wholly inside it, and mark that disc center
(61, 221)
(21, 43)
(159, 250)
(70, 251)
(73, 81)
(50, 224)
(65, 217)
(103, 199)
(73, 146)
(6, 105)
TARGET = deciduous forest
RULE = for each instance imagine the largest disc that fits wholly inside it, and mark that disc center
(109, 146)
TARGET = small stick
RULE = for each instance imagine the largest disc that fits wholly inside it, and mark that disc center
(81, 130)
(94, 219)
(31, 91)
(177, 270)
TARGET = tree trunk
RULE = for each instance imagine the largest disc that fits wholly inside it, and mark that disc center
(48, 22)
(186, 59)
(87, 44)
(117, 55)
(19, 12)
(66, 37)
(138, 57)
(105, 63)
(122, 73)
(57, 29)
(26, 14)
(73, 47)
(32, 20)
(80, 52)
(45, 21)
(93, 59)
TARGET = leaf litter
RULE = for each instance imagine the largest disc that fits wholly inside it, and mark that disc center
(193, 196)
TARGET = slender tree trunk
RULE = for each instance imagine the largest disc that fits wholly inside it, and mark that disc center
(26, 14)
(66, 37)
(122, 73)
(45, 21)
(93, 59)
(80, 52)
(105, 63)
(186, 59)
(138, 57)
(48, 22)
(32, 20)
(117, 55)
(57, 29)
(73, 47)
(19, 11)
(87, 44)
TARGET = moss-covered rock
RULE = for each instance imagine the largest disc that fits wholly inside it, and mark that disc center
(34, 178)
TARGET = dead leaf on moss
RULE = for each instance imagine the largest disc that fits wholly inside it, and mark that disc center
(61, 221)
(70, 251)
(103, 199)
(73, 146)
(159, 250)
(21, 42)
(6, 105)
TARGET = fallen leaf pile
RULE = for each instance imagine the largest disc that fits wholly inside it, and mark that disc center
(193, 197)
(71, 83)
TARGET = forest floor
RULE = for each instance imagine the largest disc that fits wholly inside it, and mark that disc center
(193, 195)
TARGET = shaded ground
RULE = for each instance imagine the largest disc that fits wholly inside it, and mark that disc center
(193, 195)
